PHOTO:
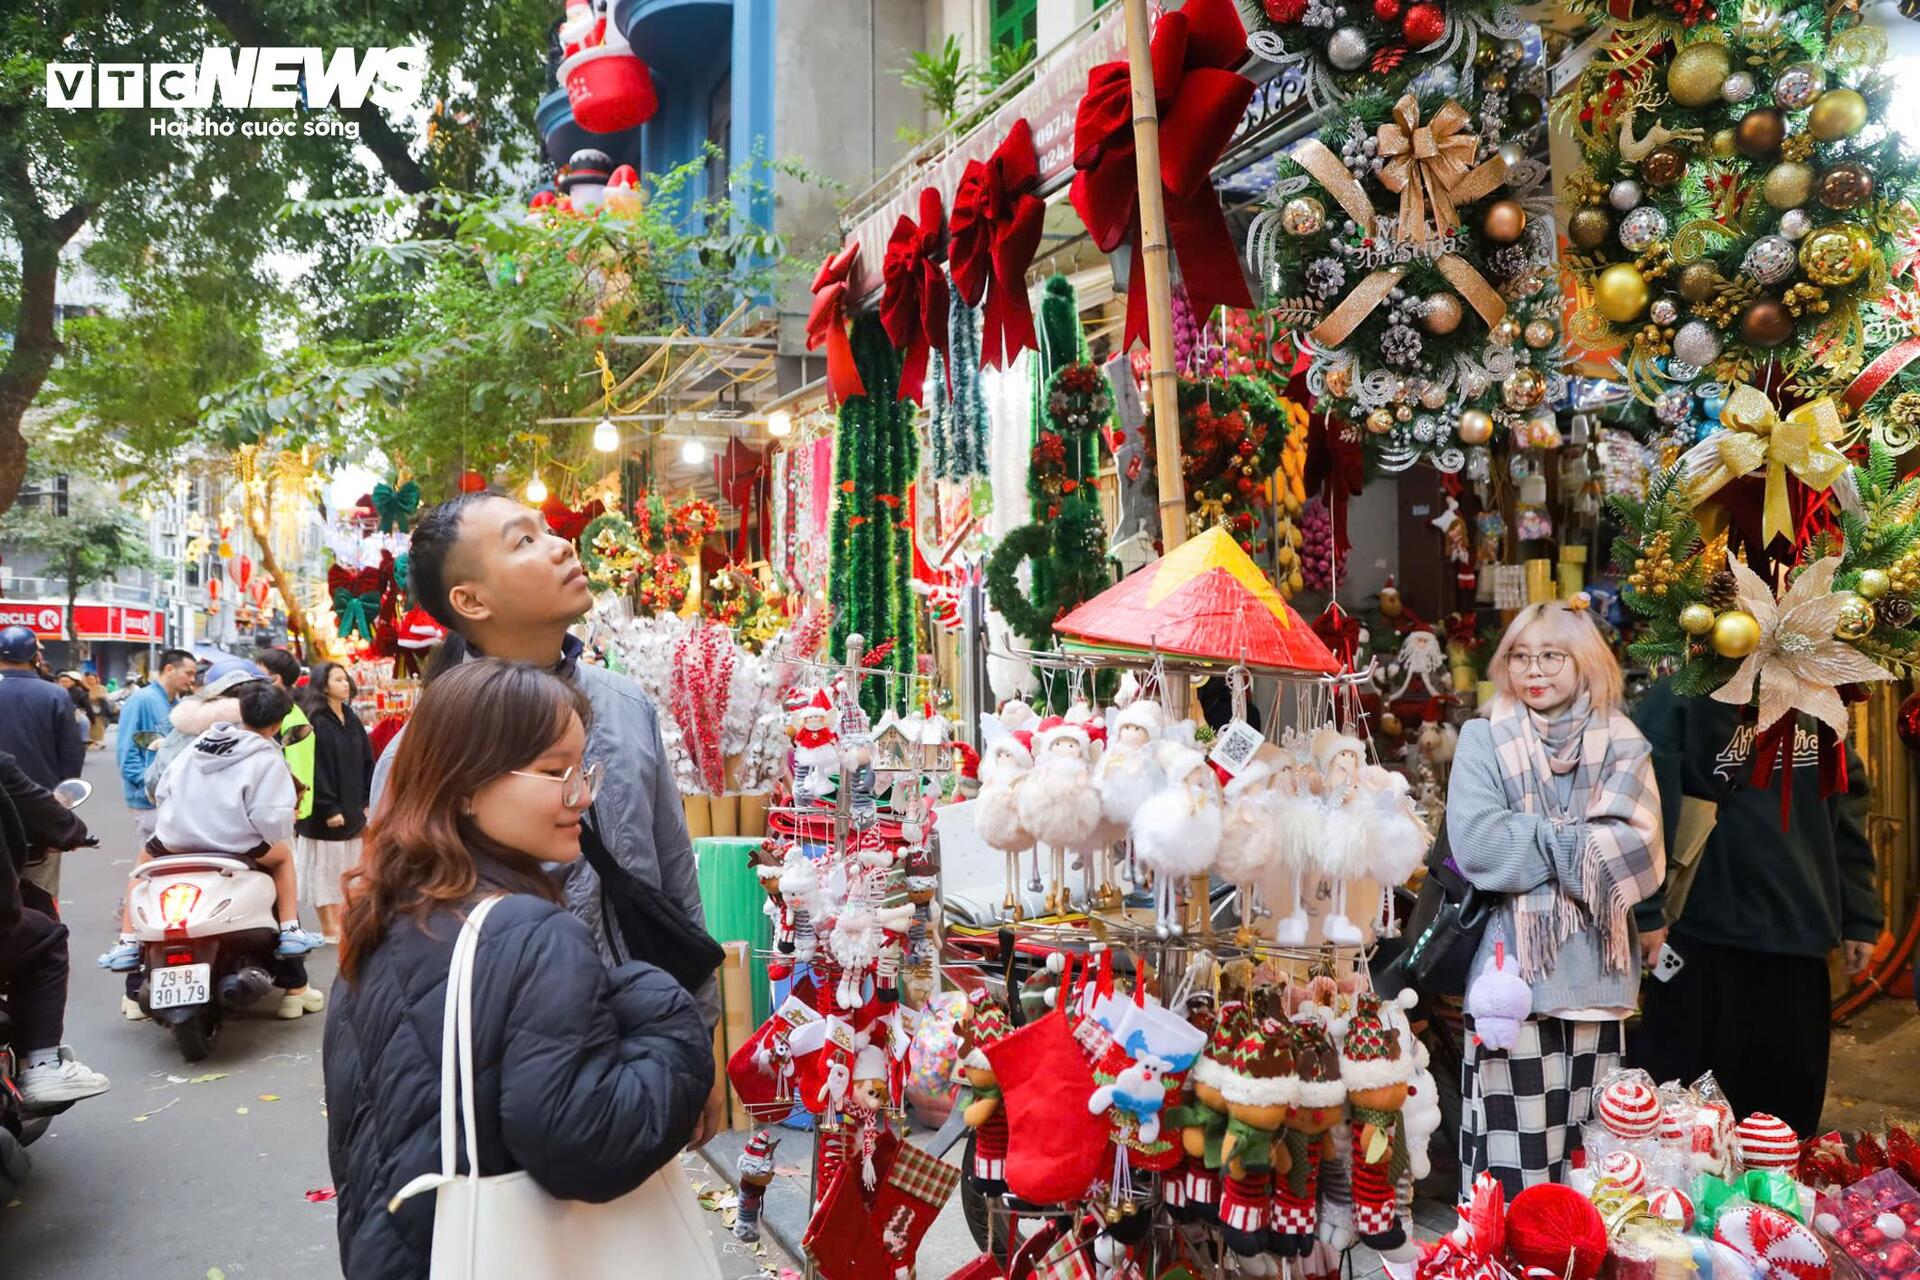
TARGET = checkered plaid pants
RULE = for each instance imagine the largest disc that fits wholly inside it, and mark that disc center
(1521, 1110)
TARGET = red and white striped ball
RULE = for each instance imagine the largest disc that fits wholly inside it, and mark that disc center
(1623, 1171)
(1630, 1109)
(1670, 1204)
(1766, 1142)
(1675, 1124)
(1781, 1248)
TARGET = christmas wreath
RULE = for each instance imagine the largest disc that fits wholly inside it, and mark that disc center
(1417, 270)
(1343, 47)
(1073, 546)
(1743, 203)
(660, 583)
(610, 550)
(1232, 433)
(689, 524)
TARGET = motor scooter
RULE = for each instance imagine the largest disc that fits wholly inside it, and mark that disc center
(19, 1127)
(208, 936)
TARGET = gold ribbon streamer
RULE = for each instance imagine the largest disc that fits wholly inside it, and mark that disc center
(1756, 434)
(1326, 168)
(1432, 166)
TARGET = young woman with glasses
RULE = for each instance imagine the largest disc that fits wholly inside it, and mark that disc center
(1552, 804)
(589, 1079)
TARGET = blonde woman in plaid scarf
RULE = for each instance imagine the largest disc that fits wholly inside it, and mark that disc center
(1553, 804)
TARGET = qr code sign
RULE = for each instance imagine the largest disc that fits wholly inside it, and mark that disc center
(1234, 748)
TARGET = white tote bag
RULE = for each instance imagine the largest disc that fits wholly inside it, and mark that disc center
(505, 1227)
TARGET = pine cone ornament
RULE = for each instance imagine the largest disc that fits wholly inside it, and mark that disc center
(1895, 611)
(1723, 590)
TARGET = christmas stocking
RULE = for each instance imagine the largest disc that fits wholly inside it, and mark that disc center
(843, 1237)
(1245, 1203)
(912, 1192)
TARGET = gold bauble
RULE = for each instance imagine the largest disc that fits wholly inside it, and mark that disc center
(1441, 313)
(1788, 185)
(1523, 388)
(1698, 281)
(1476, 426)
(1697, 73)
(1873, 583)
(1664, 166)
(1390, 724)
(1855, 619)
(1620, 294)
(1836, 114)
(1696, 619)
(1380, 421)
(1722, 143)
(1505, 332)
(1589, 227)
(1836, 255)
(1504, 221)
(1736, 633)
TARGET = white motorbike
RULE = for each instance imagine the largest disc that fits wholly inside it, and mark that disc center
(207, 933)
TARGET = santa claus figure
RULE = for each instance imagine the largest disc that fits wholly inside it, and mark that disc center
(816, 752)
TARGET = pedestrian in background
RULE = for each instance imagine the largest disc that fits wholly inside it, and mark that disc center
(327, 840)
(296, 731)
(147, 711)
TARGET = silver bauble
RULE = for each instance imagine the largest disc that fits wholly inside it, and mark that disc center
(1697, 343)
(1795, 223)
(1663, 311)
(1738, 87)
(1624, 194)
(1770, 259)
(1639, 229)
(1798, 86)
(1512, 153)
(1347, 49)
(1674, 406)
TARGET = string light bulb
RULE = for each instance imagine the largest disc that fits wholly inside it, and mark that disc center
(693, 453)
(536, 489)
(779, 423)
(606, 437)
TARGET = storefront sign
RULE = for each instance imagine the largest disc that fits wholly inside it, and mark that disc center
(48, 620)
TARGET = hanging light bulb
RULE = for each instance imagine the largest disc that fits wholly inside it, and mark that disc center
(536, 489)
(606, 436)
(779, 423)
(693, 453)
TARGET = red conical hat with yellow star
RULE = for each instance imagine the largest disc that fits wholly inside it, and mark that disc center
(1206, 600)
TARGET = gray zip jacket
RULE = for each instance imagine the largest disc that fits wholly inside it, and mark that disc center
(639, 811)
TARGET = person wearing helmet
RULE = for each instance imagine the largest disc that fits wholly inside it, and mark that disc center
(37, 724)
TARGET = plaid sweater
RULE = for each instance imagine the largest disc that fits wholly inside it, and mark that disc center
(1504, 851)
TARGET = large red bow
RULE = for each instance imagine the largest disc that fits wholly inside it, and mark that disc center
(996, 226)
(827, 323)
(566, 521)
(1201, 99)
(360, 582)
(913, 305)
(740, 473)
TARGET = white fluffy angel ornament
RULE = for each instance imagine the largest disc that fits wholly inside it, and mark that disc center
(1058, 803)
(1247, 841)
(1345, 808)
(1176, 830)
(1003, 771)
(1129, 770)
(1397, 838)
(1297, 824)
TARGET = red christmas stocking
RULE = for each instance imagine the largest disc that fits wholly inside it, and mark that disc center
(911, 1194)
(842, 1236)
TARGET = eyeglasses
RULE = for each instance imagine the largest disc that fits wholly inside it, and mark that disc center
(578, 786)
(1551, 662)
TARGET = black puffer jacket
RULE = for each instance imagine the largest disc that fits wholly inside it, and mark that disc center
(588, 1078)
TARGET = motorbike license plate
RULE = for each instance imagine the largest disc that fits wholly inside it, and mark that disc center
(181, 984)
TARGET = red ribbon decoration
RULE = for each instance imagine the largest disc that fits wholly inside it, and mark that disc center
(1201, 99)
(913, 306)
(567, 522)
(995, 231)
(1867, 383)
(827, 323)
(740, 473)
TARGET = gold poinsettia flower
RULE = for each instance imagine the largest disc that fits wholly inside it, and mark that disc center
(1799, 663)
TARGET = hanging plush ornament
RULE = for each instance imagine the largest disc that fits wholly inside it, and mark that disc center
(1176, 830)
(1247, 842)
(1058, 802)
(1004, 769)
(1342, 851)
(984, 1114)
(1258, 1089)
(1298, 823)
(1318, 1104)
(1377, 1066)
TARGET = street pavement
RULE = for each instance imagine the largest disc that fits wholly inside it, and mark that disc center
(210, 1171)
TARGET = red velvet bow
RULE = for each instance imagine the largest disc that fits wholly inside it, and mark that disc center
(913, 305)
(827, 323)
(567, 522)
(1340, 632)
(1336, 465)
(739, 473)
(361, 582)
(996, 226)
(1201, 99)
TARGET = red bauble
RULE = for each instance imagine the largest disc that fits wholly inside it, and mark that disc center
(1285, 12)
(1386, 10)
(472, 482)
(1558, 1229)
(1423, 25)
(1910, 721)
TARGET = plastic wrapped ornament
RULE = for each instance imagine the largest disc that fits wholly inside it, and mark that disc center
(931, 1060)
(1769, 260)
(1664, 311)
(1697, 343)
(1640, 228)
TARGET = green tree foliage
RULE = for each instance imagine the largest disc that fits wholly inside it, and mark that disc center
(91, 542)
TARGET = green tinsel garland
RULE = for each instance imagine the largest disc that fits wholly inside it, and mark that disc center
(875, 457)
(966, 417)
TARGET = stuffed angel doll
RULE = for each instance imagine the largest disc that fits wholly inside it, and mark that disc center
(1003, 771)
(1058, 803)
(1397, 839)
(1342, 850)
(1176, 830)
(1129, 771)
(1297, 825)
(1247, 841)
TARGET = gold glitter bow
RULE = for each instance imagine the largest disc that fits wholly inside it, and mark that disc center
(1432, 168)
(1330, 172)
(1756, 435)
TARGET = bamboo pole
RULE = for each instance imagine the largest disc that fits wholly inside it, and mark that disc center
(1154, 252)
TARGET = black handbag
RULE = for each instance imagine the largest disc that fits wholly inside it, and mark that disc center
(651, 926)
(1443, 932)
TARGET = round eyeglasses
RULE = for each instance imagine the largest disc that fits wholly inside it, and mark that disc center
(1551, 662)
(578, 786)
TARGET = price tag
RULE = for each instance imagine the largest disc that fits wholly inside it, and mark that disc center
(1234, 747)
